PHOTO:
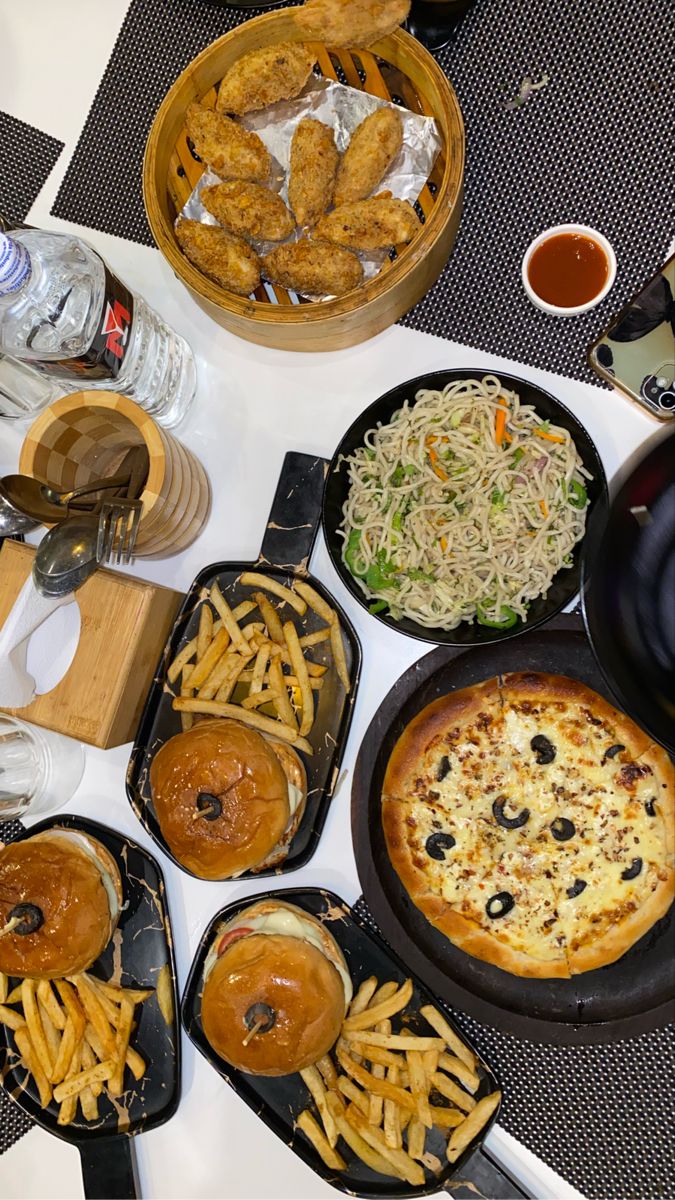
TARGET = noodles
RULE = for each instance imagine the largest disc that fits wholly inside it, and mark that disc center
(464, 507)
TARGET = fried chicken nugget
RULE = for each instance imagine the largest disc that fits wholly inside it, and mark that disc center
(373, 146)
(314, 268)
(227, 148)
(350, 22)
(314, 164)
(248, 210)
(370, 224)
(264, 76)
(227, 260)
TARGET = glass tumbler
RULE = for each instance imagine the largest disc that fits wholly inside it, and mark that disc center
(39, 770)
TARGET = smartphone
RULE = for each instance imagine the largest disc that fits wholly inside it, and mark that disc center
(637, 352)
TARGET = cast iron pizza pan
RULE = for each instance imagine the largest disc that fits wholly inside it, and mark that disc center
(624, 999)
(565, 585)
(143, 945)
(287, 545)
(629, 587)
(279, 1101)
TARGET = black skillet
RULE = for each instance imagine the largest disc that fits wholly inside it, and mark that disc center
(143, 944)
(287, 545)
(278, 1101)
(566, 583)
(621, 1000)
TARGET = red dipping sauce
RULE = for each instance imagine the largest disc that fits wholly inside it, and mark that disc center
(568, 269)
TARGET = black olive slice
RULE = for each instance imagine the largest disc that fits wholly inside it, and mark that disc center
(499, 905)
(443, 768)
(613, 751)
(633, 870)
(30, 917)
(562, 829)
(508, 822)
(544, 750)
(577, 888)
(191, 148)
(209, 806)
(649, 806)
(437, 843)
(261, 1015)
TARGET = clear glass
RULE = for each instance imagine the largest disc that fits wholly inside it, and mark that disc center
(23, 392)
(39, 770)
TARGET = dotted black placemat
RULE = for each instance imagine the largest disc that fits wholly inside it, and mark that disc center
(601, 1116)
(13, 1120)
(27, 156)
(593, 146)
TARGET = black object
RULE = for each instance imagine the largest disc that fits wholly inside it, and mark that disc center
(628, 577)
(620, 1000)
(27, 156)
(30, 918)
(433, 22)
(144, 943)
(565, 584)
(287, 545)
(278, 1101)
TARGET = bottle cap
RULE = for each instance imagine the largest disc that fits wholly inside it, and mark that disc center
(15, 266)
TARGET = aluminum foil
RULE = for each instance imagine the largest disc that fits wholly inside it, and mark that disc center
(343, 108)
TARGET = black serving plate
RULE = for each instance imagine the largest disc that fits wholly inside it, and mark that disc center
(287, 545)
(618, 1001)
(629, 587)
(566, 583)
(143, 944)
(279, 1101)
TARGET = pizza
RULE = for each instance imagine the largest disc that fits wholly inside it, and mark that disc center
(532, 823)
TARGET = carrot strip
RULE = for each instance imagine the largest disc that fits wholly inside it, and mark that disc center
(444, 544)
(433, 455)
(544, 507)
(500, 426)
(549, 437)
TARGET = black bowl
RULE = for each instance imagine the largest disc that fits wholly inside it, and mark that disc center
(566, 583)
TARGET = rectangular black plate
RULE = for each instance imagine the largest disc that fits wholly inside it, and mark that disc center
(143, 944)
(278, 1101)
(328, 736)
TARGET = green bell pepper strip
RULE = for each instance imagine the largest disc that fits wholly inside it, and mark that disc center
(508, 619)
(577, 494)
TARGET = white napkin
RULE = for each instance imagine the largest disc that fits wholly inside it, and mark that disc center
(30, 611)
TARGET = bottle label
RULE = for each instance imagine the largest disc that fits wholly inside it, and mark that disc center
(105, 357)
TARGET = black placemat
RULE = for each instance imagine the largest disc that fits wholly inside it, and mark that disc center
(13, 1120)
(601, 1116)
(27, 156)
(592, 146)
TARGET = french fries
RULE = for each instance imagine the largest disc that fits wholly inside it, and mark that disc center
(392, 1100)
(270, 655)
(73, 1037)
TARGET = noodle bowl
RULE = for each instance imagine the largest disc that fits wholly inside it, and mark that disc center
(463, 507)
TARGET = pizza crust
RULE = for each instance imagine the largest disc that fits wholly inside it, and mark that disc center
(618, 940)
(438, 720)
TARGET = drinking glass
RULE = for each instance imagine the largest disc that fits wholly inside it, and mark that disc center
(39, 770)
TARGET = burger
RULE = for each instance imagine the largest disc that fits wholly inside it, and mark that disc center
(276, 989)
(228, 799)
(60, 900)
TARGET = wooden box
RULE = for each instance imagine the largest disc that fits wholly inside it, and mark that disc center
(395, 67)
(124, 626)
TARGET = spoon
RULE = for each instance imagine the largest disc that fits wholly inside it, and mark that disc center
(66, 556)
(12, 520)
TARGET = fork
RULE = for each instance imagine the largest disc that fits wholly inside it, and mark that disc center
(118, 525)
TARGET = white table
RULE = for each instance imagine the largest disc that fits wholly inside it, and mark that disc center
(252, 406)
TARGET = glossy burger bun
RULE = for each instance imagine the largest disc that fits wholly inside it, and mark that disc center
(53, 871)
(248, 773)
(295, 979)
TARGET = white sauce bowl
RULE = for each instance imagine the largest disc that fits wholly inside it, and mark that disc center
(585, 231)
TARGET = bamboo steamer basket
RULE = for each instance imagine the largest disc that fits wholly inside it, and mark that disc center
(397, 67)
(84, 436)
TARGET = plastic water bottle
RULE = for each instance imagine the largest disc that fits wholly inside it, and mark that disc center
(64, 313)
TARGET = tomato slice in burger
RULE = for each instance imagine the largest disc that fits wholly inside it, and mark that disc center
(228, 938)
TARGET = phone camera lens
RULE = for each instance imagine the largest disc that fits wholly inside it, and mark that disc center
(667, 400)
